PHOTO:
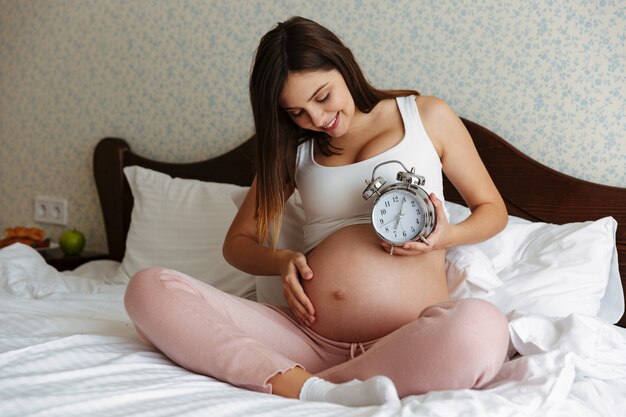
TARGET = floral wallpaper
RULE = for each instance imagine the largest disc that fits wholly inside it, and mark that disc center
(171, 77)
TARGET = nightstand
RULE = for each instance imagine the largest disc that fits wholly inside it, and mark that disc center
(63, 262)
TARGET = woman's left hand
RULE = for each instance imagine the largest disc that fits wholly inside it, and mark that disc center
(435, 238)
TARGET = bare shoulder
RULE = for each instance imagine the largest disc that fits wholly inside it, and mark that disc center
(440, 121)
(434, 111)
(430, 104)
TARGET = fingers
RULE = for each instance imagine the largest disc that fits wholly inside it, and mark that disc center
(439, 211)
(300, 304)
(408, 248)
(297, 299)
(302, 267)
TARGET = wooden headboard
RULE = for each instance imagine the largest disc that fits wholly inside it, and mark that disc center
(530, 189)
(113, 154)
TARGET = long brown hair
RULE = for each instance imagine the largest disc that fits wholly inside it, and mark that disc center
(296, 45)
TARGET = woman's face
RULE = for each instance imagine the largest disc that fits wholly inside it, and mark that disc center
(319, 101)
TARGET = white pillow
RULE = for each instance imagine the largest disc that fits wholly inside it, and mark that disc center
(181, 224)
(548, 269)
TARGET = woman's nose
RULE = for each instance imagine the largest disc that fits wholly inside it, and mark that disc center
(317, 118)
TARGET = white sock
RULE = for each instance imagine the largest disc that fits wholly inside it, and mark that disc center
(374, 391)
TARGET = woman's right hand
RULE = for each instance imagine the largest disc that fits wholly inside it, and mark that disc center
(296, 267)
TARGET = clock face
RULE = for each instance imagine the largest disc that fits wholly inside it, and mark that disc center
(398, 216)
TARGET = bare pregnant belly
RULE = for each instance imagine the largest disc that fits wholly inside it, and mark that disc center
(361, 293)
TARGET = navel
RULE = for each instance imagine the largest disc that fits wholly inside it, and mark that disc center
(339, 295)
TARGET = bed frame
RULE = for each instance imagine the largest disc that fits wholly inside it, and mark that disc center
(530, 189)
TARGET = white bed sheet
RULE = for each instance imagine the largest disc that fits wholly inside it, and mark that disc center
(67, 348)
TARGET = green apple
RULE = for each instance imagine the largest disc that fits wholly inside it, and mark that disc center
(72, 242)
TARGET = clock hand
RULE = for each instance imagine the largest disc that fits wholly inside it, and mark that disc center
(400, 224)
(395, 219)
(397, 222)
(402, 207)
(400, 214)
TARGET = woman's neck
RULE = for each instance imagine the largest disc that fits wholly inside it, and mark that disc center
(363, 124)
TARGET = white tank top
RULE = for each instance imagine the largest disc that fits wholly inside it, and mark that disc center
(331, 196)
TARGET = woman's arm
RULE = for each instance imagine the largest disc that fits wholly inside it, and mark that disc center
(466, 171)
(243, 251)
(241, 247)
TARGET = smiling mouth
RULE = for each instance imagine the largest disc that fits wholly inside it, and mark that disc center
(332, 124)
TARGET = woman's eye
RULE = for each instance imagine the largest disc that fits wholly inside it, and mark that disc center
(296, 114)
(324, 99)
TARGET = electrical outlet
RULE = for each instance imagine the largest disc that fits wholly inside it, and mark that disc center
(51, 210)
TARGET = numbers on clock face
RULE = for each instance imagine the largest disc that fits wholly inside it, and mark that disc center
(398, 216)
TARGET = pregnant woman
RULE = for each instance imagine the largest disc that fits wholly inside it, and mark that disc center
(367, 323)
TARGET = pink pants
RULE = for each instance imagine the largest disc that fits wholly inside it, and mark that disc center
(452, 345)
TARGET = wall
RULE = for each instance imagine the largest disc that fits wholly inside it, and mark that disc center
(171, 77)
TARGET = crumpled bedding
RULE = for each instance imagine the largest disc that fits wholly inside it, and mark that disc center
(67, 348)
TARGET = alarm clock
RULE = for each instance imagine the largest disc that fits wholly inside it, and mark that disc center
(402, 211)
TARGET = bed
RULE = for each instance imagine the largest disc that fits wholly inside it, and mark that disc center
(68, 348)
